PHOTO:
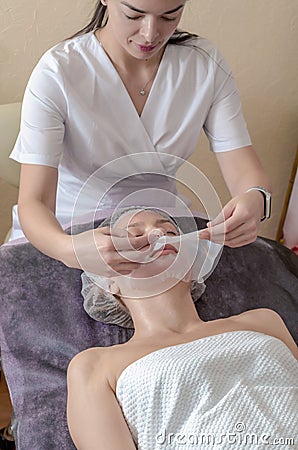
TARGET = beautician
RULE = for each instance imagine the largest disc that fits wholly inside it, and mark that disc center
(129, 82)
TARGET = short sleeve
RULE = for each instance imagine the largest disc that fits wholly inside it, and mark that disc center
(225, 126)
(41, 136)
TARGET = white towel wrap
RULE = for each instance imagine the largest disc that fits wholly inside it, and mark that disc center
(242, 382)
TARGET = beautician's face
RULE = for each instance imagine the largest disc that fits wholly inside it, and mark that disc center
(143, 27)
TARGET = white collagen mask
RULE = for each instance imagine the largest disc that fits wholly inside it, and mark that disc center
(179, 258)
(196, 256)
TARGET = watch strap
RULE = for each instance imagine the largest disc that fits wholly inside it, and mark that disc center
(267, 201)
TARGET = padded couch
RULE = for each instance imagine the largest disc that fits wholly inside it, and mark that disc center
(43, 324)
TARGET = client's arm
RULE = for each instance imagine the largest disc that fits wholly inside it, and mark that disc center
(95, 419)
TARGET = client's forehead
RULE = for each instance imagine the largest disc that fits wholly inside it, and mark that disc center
(142, 218)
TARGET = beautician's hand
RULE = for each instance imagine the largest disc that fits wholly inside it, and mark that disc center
(97, 251)
(239, 221)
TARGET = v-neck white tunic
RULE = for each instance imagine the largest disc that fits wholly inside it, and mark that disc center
(77, 116)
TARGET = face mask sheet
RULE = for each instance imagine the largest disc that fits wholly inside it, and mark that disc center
(195, 260)
(196, 257)
(199, 256)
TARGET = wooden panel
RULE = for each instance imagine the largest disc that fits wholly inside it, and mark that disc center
(5, 404)
(8, 197)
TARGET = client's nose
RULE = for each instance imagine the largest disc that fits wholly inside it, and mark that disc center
(154, 235)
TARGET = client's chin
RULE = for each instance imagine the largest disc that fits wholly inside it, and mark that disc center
(152, 278)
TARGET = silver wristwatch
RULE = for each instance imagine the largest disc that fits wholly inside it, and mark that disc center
(267, 201)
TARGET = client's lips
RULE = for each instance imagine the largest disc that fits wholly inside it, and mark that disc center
(168, 248)
(164, 250)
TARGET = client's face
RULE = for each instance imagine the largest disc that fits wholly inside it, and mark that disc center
(151, 276)
(148, 223)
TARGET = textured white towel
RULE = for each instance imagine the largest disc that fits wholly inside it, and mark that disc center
(235, 390)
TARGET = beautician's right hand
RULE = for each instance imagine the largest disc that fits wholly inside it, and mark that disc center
(97, 251)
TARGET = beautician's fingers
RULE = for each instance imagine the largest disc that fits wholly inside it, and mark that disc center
(214, 233)
(204, 234)
(241, 221)
(103, 251)
(241, 235)
(235, 238)
(125, 248)
(95, 252)
(122, 239)
(239, 241)
(232, 234)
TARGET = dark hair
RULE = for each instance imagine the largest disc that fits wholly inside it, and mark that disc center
(100, 19)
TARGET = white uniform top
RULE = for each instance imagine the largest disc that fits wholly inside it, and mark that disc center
(77, 116)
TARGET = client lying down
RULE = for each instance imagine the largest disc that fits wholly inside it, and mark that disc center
(179, 382)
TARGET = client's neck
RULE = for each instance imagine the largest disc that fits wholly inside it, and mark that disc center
(172, 312)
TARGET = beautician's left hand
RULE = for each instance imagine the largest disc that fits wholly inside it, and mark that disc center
(239, 221)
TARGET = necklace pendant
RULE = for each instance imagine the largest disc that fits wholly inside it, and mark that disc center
(142, 92)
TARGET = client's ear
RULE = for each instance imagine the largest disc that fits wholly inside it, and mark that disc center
(115, 290)
(187, 278)
(114, 287)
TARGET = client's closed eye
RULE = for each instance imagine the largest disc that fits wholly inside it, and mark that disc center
(136, 233)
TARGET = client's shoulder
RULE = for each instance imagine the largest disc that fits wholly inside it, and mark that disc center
(110, 362)
(261, 317)
(100, 365)
(268, 321)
